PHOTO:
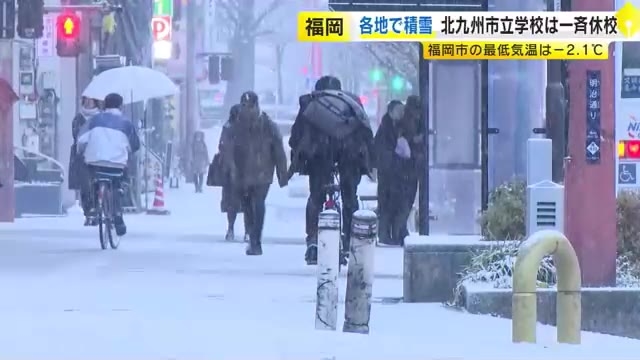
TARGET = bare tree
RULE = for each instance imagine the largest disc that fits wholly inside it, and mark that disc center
(401, 58)
(244, 22)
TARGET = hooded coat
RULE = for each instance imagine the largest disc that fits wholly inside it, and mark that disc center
(199, 154)
(253, 150)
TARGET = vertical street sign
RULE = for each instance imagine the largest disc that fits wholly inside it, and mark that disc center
(161, 28)
(593, 116)
(163, 7)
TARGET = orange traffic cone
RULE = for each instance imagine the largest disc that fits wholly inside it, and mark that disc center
(158, 201)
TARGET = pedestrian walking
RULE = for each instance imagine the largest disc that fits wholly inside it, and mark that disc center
(199, 160)
(231, 202)
(251, 155)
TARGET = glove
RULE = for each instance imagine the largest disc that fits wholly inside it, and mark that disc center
(402, 148)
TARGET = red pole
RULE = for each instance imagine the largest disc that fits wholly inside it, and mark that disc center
(7, 191)
(590, 208)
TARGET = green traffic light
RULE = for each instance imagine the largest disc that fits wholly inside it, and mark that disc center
(397, 83)
(376, 75)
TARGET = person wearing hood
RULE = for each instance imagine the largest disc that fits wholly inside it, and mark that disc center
(78, 175)
(251, 154)
(321, 153)
(199, 160)
(231, 202)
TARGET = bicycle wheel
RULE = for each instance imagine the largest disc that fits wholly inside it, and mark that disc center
(103, 223)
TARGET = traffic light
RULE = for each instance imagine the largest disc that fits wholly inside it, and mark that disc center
(68, 35)
(397, 83)
(376, 75)
(226, 68)
(629, 149)
(214, 69)
(7, 19)
(30, 18)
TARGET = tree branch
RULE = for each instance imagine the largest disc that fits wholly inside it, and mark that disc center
(230, 10)
(258, 22)
(399, 57)
(262, 33)
(273, 6)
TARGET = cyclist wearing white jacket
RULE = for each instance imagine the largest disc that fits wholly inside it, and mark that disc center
(105, 143)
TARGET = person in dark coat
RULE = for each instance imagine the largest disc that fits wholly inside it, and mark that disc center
(320, 156)
(412, 128)
(385, 142)
(78, 173)
(397, 150)
(231, 202)
(255, 149)
(199, 160)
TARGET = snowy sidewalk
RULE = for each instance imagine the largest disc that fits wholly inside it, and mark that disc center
(193, 216)
(176, 290)
(156, 298)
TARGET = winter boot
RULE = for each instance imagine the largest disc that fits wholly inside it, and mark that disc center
(254, 248)
(121, 228)
(311, 255)
(230, 235)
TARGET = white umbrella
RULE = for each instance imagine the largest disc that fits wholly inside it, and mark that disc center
(133, 83)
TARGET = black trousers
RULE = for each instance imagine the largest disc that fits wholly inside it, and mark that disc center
(396, 195)
(86, 198)
(320, 176)
(253, 204)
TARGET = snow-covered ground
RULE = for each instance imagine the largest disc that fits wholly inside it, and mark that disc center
(176, 290)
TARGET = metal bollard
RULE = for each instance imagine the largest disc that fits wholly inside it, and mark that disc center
(328, 268)
(568, 303)
(357, 308)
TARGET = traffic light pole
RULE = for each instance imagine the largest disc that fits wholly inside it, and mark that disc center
(190, 121)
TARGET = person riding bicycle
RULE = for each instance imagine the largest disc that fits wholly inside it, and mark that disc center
(331, 134)
(105, 142)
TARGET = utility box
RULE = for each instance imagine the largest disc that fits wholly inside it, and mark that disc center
(545, 207)
(539, 160)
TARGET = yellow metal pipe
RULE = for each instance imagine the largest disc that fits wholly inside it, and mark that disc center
(568, 302)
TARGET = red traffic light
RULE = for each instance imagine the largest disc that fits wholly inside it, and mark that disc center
(68, 25)
(629, 149)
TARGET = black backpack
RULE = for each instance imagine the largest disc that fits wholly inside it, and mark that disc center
(335, 113)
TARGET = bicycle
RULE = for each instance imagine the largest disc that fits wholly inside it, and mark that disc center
(333, 202)
(105, 209)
